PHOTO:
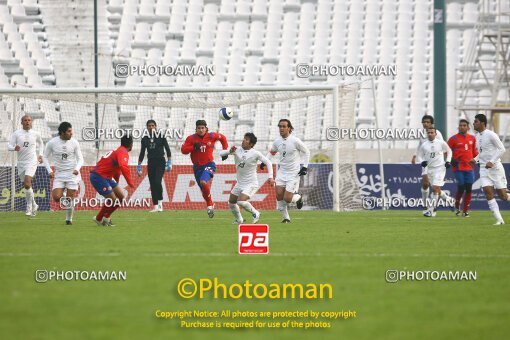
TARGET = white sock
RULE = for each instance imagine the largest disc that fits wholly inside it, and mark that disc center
(69, 212)
(493, 206)
(444, 196)
(29, 194)
(435, 201)
(282, 208)
(247, 206)
(235, 211)
(160, 204)
(425, 196)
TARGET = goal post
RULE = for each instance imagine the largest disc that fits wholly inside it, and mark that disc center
(315, 112)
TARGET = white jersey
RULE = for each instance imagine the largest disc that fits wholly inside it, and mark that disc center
(290, 158)
(67, 157)
(489, 147)
(246, 166)
(433, 153)
(28, 140)
(422, 140)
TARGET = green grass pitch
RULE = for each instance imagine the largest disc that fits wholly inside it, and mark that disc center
(351, 251)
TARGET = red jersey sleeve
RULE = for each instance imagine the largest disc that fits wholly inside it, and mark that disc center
(123, 161)
(187, 147)
(222, 139)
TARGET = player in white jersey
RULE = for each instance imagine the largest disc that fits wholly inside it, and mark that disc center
(247, 185)
(292, 163)
(68, 160)
(24, 142)
(492, 173)
(427, 121)
(431, 153)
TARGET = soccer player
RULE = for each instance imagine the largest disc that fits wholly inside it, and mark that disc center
(24, 142)
(105, 176)
(492, 173)
(432, 153)
(291, 151)
(201, 146)
(247, 185)
(427, 121)
(68, 161)
(156, 146)
(463, 147)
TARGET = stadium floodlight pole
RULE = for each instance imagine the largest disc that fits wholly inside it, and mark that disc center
(381, 162)
(13, 155)
(96, 77)
(440, 65)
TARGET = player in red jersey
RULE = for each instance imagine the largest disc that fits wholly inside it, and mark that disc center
(201, 146)
(105, 176)
(464, 150)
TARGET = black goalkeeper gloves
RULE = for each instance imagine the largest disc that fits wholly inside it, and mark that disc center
(303, 171)
(424, 164)
(224, 158)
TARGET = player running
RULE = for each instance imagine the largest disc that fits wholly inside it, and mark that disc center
(432, 153)
(247, 185)
(201, 146)
(24, 142)
(463, 147)
(156, 165)
(492, 173)
(291, 149)
(68, 160)
(105, 176)
(427, 121)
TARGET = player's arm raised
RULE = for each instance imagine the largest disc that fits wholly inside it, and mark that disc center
(79, 159)
(40, 147)
(46, 158)
(223, 140)
(303, 149)
(188, 146)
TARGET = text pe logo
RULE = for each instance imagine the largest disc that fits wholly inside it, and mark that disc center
(253, 239)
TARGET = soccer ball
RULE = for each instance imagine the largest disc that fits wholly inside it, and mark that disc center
(226, 113)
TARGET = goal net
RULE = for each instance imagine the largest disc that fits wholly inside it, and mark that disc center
(98, 115)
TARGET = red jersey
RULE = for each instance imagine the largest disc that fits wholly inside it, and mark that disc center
(464, 150)
(203, 155)
(113, 164)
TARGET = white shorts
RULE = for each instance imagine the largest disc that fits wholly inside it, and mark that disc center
(248, 190)
(71, 184)
(26, 170)
(494, 176)
(436, 176)
(291, 183)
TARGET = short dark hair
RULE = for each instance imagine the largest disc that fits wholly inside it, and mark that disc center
(63, 127)
(252, 137)
(481, 118)
(432, 128)
(151, 121)
(288, 123)
(200, 122)
(126, 140)
(428, 117)
(464, 121)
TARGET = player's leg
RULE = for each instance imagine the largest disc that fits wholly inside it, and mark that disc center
(205, 186)
(495, 178)
(151, 173)
(436, 192)
(243, 202)
(493, 204)
(425, 188)
(281, 205)
(469, 179)
(58, 192)
(461, 185)
(105, 188)
(160, 171)
(234, 208)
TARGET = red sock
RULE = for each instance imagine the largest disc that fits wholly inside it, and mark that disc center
(206, 194)
(458, 197)
(467, 201)
(102, 212)
(110, 211)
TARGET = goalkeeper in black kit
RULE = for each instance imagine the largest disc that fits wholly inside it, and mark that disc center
(156, 145)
